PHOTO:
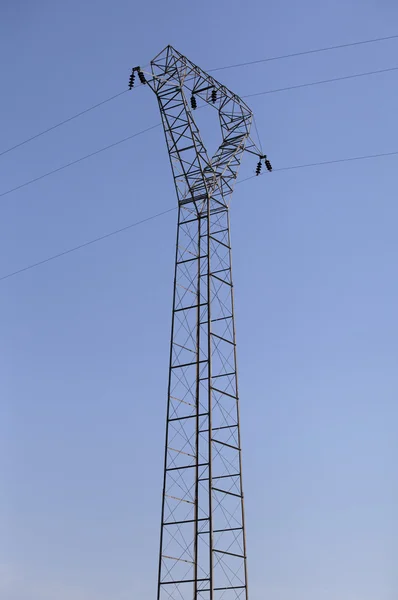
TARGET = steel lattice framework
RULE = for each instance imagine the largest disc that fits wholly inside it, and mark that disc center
(202, 546)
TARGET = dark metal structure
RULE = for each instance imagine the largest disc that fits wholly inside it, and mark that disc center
(202, 545)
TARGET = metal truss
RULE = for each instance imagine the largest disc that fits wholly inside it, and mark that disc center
(202, 546)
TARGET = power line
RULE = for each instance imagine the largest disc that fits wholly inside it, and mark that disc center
(306, 52)
(85, 244)
(117, 231)
(272, 91)
(272, 58)
(339, 160)
(68, 120)
(323, 81)
(328, 162)
(78, 160)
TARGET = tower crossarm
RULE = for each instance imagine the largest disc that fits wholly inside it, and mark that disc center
(197, 176)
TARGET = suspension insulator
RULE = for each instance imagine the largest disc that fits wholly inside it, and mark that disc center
(131, 80)
(214, 96)
(194, 104)
(258, 168)
(268, 165)
(141, 77)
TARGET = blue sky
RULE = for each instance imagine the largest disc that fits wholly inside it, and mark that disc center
(84, 339)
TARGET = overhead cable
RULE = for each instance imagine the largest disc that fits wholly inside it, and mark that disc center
(127, 227)
(306, 52)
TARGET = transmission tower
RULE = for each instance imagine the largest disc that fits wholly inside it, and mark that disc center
(202, 543)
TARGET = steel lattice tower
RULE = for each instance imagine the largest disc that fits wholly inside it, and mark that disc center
(202, 546)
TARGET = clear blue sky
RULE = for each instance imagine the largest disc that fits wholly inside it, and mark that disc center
(84, 339)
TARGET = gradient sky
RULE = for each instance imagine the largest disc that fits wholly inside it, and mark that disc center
(85, 339)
